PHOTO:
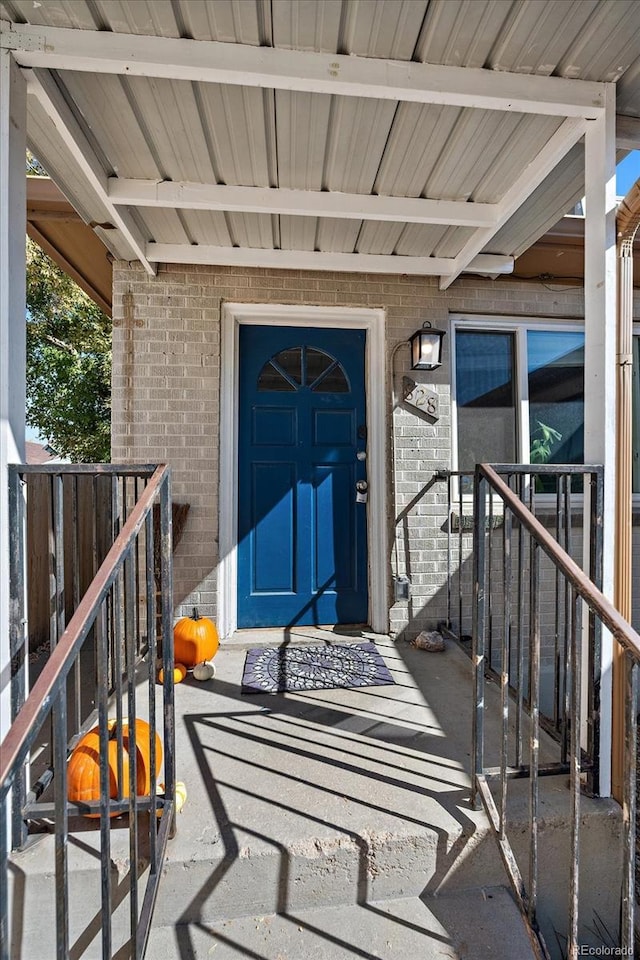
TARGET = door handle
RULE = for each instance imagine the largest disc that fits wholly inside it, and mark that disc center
(362, 489)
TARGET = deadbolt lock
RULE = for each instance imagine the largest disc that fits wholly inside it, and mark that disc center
(362, 488)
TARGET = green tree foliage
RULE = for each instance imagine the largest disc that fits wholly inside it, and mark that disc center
(34, 167)
(68, 363)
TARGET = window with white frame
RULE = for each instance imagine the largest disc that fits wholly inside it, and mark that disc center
(519, 392)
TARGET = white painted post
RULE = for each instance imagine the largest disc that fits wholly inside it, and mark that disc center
(13, 225)
(600, 293)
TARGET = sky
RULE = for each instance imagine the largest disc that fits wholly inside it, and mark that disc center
(31, 434)
(628, 172)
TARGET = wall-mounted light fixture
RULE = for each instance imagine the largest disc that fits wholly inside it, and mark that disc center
(426, 347)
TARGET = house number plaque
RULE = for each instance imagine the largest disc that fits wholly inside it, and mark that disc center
(420, 397)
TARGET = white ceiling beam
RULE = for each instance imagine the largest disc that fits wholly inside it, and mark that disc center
(627, 132)
(301, 203)
(41, 84)
(565, 137)
(275, 68)
(317, 260)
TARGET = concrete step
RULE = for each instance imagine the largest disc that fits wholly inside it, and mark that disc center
(482, 924)
(32, 892)
(214, 877)
(236, 873)
(216, 882)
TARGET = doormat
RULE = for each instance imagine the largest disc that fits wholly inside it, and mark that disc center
(293, 669)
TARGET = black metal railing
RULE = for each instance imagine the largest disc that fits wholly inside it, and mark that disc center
(528, 544)
(102, 647)
(555, 495)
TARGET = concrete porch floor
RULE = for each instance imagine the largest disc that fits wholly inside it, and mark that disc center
(354, 770)
(336, 824)
(334, 800)
(315, 806)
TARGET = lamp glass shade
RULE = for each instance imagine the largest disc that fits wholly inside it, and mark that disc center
(426, 347)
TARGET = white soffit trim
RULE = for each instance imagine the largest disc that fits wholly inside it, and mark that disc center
(41, 84)
(300, 203)
(371, 320)
(275, 68)
(531, 177)
(319, 260)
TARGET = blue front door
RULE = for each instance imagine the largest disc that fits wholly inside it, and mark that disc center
(302, 536)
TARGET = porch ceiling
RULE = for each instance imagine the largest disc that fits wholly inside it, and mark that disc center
(343, 150)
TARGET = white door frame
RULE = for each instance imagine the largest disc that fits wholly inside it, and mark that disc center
(373, 322)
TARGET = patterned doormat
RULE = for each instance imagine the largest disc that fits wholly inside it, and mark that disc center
(280, 669)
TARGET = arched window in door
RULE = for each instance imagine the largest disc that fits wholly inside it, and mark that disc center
(298, 368)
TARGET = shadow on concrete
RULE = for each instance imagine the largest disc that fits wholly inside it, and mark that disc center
(293, 717)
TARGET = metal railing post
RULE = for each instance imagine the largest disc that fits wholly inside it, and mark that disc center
(534, 728)
(4, 857)
(61, 824)
(151, 656)
(166, 536)
(596, 501)
(18, 638)
(504, 668)
(478, 631)
(575, 770)
(629, 807)
(105, 821)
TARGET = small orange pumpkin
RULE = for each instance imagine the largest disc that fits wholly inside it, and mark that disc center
(195, 639)
(179, 673)
(83, 769)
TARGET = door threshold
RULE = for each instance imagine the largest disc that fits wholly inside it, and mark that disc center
(280, 636)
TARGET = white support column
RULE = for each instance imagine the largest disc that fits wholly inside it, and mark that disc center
(13, 225)
(600, 366)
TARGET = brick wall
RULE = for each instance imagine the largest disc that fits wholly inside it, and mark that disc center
(166, 377)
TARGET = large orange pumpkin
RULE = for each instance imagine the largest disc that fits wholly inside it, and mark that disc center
(83, 769)
(195, 639)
